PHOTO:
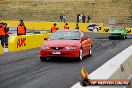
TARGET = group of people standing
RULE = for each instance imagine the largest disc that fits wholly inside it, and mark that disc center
(82, 18)
(4, 32)
(62, 18)
(54, 28)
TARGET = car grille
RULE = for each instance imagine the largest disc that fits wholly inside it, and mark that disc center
(116, 34)
(57, 48)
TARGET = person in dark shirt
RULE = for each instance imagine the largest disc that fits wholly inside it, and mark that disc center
(21, 29)
(61, 18)
(83, 18)
(2, 34)
(89, 18)
(77, 26)
(6, 28)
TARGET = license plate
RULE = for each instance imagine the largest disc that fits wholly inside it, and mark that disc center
(56, 52)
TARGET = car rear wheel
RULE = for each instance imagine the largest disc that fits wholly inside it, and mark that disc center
(109, 38)
(123, 37)
(43, 59)
(81, 54)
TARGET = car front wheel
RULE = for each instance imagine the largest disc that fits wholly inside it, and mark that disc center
(43, 59)
(81, 54)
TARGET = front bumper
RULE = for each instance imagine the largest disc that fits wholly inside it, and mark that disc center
(64, 53)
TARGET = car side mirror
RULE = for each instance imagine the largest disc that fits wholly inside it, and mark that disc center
(87, 37)
(84, 38)
(45, 38)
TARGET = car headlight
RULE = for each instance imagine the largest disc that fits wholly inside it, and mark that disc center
(71, 48)
(44, 47)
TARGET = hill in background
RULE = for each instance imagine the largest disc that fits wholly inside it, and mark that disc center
(50, 10)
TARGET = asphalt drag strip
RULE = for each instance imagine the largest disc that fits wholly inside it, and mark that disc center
(24, 69)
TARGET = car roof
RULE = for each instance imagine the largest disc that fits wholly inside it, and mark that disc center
(70, 30)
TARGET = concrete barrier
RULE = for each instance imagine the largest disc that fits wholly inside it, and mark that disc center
(119, 67)
(48, 25)
(1, 50)
(24, 42)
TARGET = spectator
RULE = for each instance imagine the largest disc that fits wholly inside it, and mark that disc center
(54, 28)
(21, 29)
(66, 26)
(6, 34)
(2, 35)
(61, 17)
(64, 18)
(77, 26)
(80, 18)
(83, 18)
(89, 18)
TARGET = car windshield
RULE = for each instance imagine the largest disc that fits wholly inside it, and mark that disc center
(65, 35)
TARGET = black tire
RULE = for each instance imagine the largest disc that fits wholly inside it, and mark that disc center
(90, 52)
(80, 58)
(109, 38)
(43, 59)
(123, 37)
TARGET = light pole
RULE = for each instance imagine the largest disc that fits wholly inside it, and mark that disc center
(93, 3)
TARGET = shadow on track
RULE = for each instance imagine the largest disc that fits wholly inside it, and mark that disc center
(65, 60)
(62, 60)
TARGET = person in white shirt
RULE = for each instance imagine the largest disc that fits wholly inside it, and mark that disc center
(64, 18)
(80, 18)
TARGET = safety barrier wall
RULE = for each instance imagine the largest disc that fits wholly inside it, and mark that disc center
(48, 25)
(85, 27)
(119, 67)
(24, 42)
(1, 50)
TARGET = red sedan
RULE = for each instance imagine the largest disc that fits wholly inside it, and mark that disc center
(66, 44)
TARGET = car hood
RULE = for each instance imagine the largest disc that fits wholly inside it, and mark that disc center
(61, 43)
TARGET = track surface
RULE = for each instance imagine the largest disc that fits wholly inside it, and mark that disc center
(24, 70)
